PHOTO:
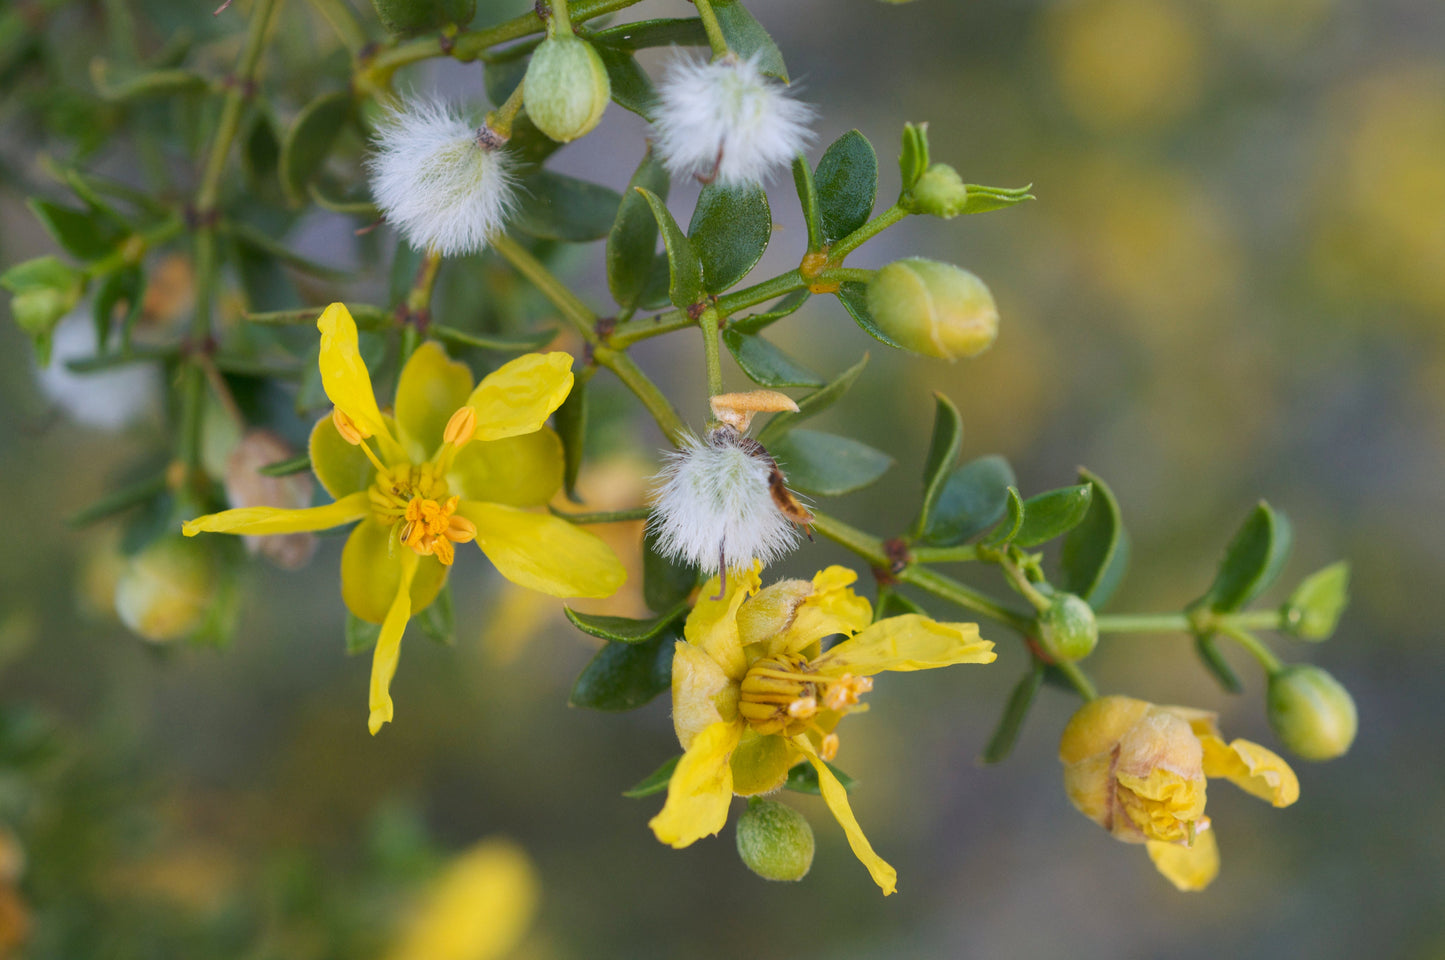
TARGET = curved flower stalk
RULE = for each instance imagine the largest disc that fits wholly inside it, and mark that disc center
(1139, 771)
(753, 694)
(453, 464)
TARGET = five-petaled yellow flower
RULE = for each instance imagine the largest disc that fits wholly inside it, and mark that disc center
(1138, 770)
(753, 693)
(452, 464)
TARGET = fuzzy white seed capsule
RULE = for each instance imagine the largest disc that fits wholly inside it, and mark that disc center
(727, 122)
(443, 182)
(107, 400)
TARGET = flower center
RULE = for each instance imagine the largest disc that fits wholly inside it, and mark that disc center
(413, 500)
(1164, 806)
(786, 695)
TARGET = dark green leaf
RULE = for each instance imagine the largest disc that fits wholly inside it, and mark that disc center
(1096, 552)
(891, 603)
(83, 234)
(1218, 667)
(684, 268)
(485, 341)
(264, 245)
(982, 199)
(847, 181)
(126, 285)
(655, 294)
(286, 468)
(558, 207)
(914, 159)
(407, 18)
(854, 297)
(746, 37)
(625, 676)
(571, 423)
(631, 86)
(1006, 734)
(943, 452)
(1053, 514)
(260, 153)
(118, 86)
(973, 498)
(755, 322)
(1012, 521)
(360, 635)
(500, 77)
(656, 781)
(438, 620)
(118, 501)
(827, 465)
(765, 364)
(623, 629)
(808, 198)
(632, 242)
(662, 32)
(1313, 610)
(529, 147)
(813, 404)
(405, 261)
(665, 584)
(309, 141)
(1253, 560)
(358, 205)
(804, 779)
(730, 229)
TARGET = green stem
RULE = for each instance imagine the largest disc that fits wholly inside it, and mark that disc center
(632, 331)
(236, 96)
(559, 23)
(962, 554)
(711, 351)
(122, 499)
(1077, 679)
(1254, 645)
(645, 390)
(845, 275)
(193, 395)
(715, 38)
(1181, 623)
(603, 516)
(418, 299)
(946, 588)
(863, 234)
(502, 118)
(1021, 583)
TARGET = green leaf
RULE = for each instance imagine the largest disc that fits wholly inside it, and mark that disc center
(730, 229)
(407, 18)
(263, 245)
(1217, 666)
(486, 341)
(126, 285)
(625, 676)
(684, 268)
(656, 781)
(1013, 520)
(357, 205)
(309, 142)
(286, 468)
(624, 629)
(827, 465)
(755, 322)
(1313, 610)
(1006, 734)
(982, 199)
(661, 32)
(119, 86)
(260, 153)
(529, 147)
(746, 37)
(45, 290)
(1096, 552)
(891, 603)
(943, 452)
(973, 498)
(83, 234)
(913, 161)
(813, 404)
(500, 77)
(632, 242)
(571, 422)
(360, 635)
(765, 364)
(854, 297)
(804, 779)
(1252, 561)
(1053, 514)
(665, 584)
(632, 88)
(557, 207)
(847, 181)
(808, 198)
(438, 620)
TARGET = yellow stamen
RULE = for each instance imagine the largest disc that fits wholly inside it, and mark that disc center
(460, 427)
(431, 528)
(349, 429)
(829, 749)
(781, 695)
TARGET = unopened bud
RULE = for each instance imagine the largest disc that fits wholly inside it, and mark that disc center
(246, 486)
(933, 308)
(566, 88)
(1311, 712)
(775, 841)
(1067, 629)
(167, 589)
(940, 192)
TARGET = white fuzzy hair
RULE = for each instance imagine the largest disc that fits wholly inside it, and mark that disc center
(107, 400)
(727, 119)
(435, 182)
(712, 502)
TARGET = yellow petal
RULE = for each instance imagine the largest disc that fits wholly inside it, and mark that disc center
(1097, 727)
(479, 909)
(837, 800)
(522, 471)
(342, 468)
(1254, 769)
(908, 642)
(543, 552)
(702, 694)
(1189, 868)
(371, 570)
(761, 763)
(259, 521)
(831, 608)
(520, 396)
(343, 372)
(430, 389)
(701, 788)
(713, 624)
(388, 645)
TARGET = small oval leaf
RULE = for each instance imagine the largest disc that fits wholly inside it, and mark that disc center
(625, 676)
(765, 364)
(684, 268)
(1012, 521)
(1313, 610)
(309, 141)
(656, 781)
(554, 206)
(1006, 734)
(943, 452)
(1096, 552)
(973, 498)
(730, 229)
(827, 465)
(1252, 561)
(632, 241)
(623, 629)
(1053, 514)
(813, 404)
(847, 179)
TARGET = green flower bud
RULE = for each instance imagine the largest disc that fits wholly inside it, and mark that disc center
(940, 192)
(45, 289)
(166, 590)
(933, 308)
(775, 841)
(566, 88)
(1067, 630)
(406, 18)
(1311, 713)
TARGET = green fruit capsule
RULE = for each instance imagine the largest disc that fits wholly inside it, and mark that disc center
(165, 591)
(940, 192)
(566, 88)
(1311, 712)
(933, 308)
(775, 841)
(1067, 630)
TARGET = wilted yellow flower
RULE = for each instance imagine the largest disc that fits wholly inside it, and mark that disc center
(452, 465)
(479, 909)
(753, 695)
(1138, 770)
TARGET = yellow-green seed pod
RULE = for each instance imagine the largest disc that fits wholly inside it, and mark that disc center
(775, 841)
(1067, 630)
(566, 88)
(166, 589)
(940, 192)
(1311, 712)
(933, 308)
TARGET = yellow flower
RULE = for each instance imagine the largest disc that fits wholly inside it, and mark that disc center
(1138, 770)
(752, 693)
(452, 465)
(479, 908)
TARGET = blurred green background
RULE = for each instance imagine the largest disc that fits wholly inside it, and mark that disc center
(1231, 286)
